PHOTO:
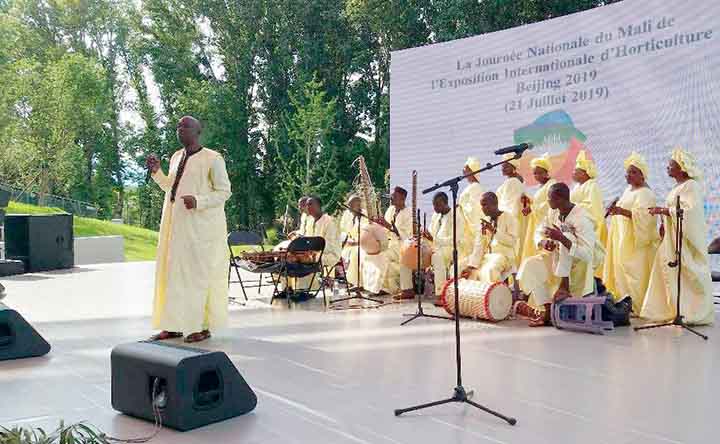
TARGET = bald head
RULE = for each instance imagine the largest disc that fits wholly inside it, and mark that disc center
(559, 196)
(489, 204)
(188, 131)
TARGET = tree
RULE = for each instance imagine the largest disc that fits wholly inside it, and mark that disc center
(308, 165)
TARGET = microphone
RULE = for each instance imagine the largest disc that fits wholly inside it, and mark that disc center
(514, 149)
(607, 210)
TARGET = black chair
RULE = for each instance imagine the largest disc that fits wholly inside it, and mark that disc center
(714, 248)
(290, 269)
(244, 239)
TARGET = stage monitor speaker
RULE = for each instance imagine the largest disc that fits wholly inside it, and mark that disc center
(18, 339)
(195, 387)
(42, 242)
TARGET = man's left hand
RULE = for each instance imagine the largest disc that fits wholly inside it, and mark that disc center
(190, 202)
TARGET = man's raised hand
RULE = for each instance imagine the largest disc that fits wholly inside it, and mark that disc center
(152, 163)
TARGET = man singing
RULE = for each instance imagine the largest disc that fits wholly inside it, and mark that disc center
(191, 271)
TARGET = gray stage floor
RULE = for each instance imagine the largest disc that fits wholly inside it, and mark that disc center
(335, 377)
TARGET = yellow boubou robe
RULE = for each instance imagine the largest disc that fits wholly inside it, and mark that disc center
(494, 255)
(441, 229)
(191, 289)
(510, 201)
(696, 303)
(349, 231)
(539, 208)
(383, 272)
(631, 247)
(469, 203)
(589, 196)
(540, 275)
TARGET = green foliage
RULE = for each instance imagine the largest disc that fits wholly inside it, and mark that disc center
(73, 434)
(90, 88)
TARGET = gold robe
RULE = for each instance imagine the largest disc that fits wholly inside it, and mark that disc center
(631, 247)
(469, 203)
(349, 232)
(696, 285)
(191, 289)
(383, 272)
(589, 196)
(540, 275)
(494, 255)
(441, 229)
(509, 201)
(539, 208)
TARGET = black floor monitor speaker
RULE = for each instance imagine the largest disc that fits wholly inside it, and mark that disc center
(195, 387)
(18, 339)
(42, 242)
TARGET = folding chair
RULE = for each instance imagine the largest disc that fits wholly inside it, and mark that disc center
(312, 245)
(242, 239)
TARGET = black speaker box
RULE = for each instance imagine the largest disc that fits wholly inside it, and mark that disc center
(197, 387)
(42, 242)
(18, 339)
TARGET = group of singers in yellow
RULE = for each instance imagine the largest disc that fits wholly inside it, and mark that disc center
(556, 241)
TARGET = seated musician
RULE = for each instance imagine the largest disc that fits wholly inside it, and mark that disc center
(321, 225)
(441, 239)
(564, 267)
(305, 221)
(381, 271)
(349, 234)
(494, 252)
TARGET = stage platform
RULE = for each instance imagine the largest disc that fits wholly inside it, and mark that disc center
(337, 376)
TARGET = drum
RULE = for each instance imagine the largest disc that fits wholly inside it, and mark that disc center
(373, 239)
(409, 254)
(479, 300)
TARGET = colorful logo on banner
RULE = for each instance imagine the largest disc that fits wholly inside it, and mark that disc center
(554, 133)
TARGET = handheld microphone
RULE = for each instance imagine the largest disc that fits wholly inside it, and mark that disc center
(514, 149)
(612, 205)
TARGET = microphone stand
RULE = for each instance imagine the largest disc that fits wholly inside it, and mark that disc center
(355, 293)
(418, 286)
(459, 393)
(677, 263)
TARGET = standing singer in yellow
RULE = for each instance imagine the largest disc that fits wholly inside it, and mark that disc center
(633, 236)
(696, 304)
(538, 206)
(191, 290)
(511, 200)
(588, 195)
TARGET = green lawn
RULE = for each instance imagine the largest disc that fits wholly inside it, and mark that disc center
(140, 243)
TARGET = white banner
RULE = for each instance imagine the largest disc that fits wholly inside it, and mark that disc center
(639, 75)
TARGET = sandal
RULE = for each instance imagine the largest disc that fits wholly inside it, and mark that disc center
(165, 335)
(198, 337)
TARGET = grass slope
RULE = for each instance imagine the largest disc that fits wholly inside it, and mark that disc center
(140, 243)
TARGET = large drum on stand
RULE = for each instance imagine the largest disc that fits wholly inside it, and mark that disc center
(479, 300)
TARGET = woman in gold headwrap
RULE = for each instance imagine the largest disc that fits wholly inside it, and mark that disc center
(469, 204)
(587, 194)
(511, 200)
(633, 237)
(537, 207)
(696, 304)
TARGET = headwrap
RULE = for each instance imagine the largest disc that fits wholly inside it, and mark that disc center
(638, 162)
(514, 162)
(474, 164)
(585, 164)
(542, 162)
(686, 162)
